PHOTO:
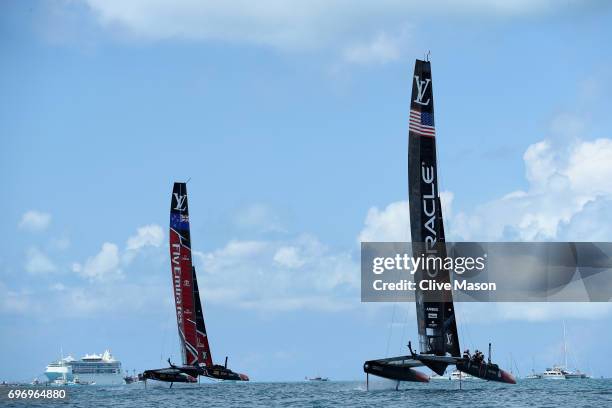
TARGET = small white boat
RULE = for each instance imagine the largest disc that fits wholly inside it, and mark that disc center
(63, 381)
(457, 375)
(534, 376)
(571, 375)
(317, 378)
(555, 373)
(436, 377)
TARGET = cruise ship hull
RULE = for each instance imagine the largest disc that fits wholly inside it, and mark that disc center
(98, 379)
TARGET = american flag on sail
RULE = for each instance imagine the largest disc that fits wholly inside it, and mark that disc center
(422, 123)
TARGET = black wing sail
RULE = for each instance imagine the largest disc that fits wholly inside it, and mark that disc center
(202, 337)
(435, 311)
(438, 340)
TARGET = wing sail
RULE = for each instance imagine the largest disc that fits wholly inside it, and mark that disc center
(182, 273)
(435, 314)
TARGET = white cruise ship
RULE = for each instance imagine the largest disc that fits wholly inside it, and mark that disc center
(99, 369)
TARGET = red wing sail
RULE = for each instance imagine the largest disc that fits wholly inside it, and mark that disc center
(182, 274)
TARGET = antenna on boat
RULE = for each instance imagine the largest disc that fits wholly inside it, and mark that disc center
(427, 55)
(188, 180)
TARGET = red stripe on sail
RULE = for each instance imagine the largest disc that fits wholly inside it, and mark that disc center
(180, 263)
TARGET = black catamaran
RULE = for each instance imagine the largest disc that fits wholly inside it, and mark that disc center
(195, 350)
(438, 337)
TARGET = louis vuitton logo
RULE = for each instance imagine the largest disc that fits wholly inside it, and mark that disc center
(421, 89)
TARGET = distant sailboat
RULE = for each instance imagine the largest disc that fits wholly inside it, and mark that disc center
(195, 349)
(438, 337)
(533, 375)
(563, 372)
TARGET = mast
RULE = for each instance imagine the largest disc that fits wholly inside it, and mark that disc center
(182, 273)
(435, 311)
(564, 347)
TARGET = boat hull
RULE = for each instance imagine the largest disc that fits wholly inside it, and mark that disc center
(97, 379)
(219, 372)
(486, 371)
(396, 372)
(172, 374)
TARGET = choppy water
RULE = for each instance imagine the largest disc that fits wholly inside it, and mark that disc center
(527, 393)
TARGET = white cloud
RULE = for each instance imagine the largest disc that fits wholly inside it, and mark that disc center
(37, 262)
(35, 221)
(535, 312)
(104, 266)
(531, 312)
(15, 302)
(473, 312)
(566, 182)
(107, 264)
(288, 256)
(389, 225)
(84, 301)
(393, 223)
(279, 275)
(382, 49)
(590, 223)
(291, 25)
(149, 235)
(569, 198)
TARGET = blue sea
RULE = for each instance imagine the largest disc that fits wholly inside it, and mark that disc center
(474, 393)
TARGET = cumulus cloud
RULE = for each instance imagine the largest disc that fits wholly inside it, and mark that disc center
(568, 198)
(37, 262)
(288, 256)
(301, 273)
(288, 25)
(107, 265)
(391, 224)
(104, 266)
(149, 235)
(534, 312)
(84, 301)
(566, 184)
(35, 221)
(15, 302)
(531, 312)
(381, 49)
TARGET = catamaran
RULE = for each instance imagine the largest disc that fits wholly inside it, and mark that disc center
(195, 349)
(563, 372)
(438, 337)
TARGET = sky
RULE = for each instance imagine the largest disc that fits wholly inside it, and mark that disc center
(290, 122)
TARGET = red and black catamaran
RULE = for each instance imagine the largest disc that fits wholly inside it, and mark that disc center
(438, 337)
(195, 349)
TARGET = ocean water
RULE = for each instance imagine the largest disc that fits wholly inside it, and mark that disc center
(475, 393)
